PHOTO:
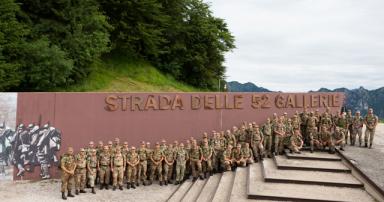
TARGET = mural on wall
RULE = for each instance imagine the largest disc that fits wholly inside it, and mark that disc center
(35, 146)
(6, 154)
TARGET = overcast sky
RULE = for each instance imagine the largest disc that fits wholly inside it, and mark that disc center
(301, 45)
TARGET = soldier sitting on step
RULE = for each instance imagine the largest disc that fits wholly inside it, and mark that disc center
(296, 142)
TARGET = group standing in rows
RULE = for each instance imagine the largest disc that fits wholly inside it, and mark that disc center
(114, 163)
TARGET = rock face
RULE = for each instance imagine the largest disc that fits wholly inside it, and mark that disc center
(356, 99)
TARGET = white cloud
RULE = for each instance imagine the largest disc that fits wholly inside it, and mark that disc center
(301, 45)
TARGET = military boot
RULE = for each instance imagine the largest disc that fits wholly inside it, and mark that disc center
(133, 185)
(161, 183)
(366, 144)
(106, 186)
(137, 184)
(101, 186)
(128, 185)
(370, 146)
(166, 182)
(70, 194)
(63, 196)
(121, 187)
(77, 192)
(114, 188)
(82, 191)
(93, 190)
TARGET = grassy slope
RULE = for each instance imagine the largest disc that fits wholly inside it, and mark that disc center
(121, 74)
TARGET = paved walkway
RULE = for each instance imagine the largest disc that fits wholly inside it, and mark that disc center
(370, 161)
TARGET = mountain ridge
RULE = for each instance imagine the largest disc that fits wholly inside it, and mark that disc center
(356, 99)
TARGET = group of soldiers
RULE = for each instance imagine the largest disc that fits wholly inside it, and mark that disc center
(221, 151)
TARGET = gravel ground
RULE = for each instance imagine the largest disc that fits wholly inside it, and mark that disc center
(370, 161)
(49, 190)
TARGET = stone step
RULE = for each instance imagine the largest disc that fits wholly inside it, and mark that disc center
(272, 174)
(223, 191)
(259, 189)
(180, 191)
(239, 191)
(194, 191)
(209, 189)
(296, 164)
(306, 155)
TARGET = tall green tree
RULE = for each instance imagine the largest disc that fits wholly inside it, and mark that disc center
(76, 27)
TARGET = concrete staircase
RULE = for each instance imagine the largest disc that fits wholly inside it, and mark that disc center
(307, 176)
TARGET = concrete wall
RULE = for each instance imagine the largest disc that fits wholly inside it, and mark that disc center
(134, 117)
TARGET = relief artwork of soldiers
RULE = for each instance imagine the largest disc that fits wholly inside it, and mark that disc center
(29, 146)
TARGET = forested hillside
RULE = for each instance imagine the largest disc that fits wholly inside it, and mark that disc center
(54, 44)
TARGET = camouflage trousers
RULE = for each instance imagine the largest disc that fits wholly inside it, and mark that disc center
(279, 147)
(66, 181)
(369, 134)
(339, 142)
(132, 173)
(267, 144)
(257, 149)
(80, 176)
(104, 174)
(207, 166)
(118, 175)
(92, 177)
(217, 161)
(142, 172)
(358, 132)
(240, 163)
(293, 147)
(167, 171)
(196, 168)
(156, 169)
(180, 171)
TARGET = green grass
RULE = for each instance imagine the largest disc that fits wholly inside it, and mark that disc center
(119, 74)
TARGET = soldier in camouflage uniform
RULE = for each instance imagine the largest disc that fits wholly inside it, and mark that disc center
(163, 145)
(90, 147)
(279, 133)
(133, 161)
(237, 157)
(288, 133)
(304, 118)
(188, 170)
(92, 168)
(125, 149)
(104, 167)
(349, 118)
(357, 128)
(325, 137)
(326, 121)
(207, 153)
(68, 166)
(169, 159)
(338, 138)
(342, 123)
(157, 157)
(80, 172)
(217, 152)
(118, 168)
(195, 157)
(227, 158)
(257, 143)
(247, 153)
(230, 138)
(242, 136)
(267, 143)
(149, 161)
(181, 159)
(296, 122)
(312, 133)
(296, 142)
(142, 172)
(371, 122)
